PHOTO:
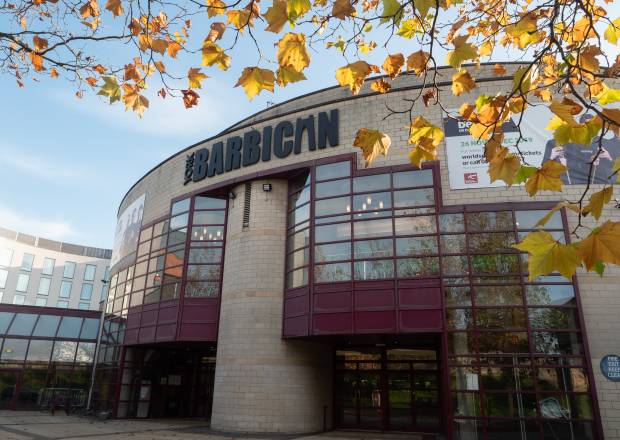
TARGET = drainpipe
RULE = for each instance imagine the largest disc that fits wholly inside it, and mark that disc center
(102, 305)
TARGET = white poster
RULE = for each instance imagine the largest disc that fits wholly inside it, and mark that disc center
(128, 230)
(468, 169)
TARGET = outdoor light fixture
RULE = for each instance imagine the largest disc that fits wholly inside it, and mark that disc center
(232, 195)
(266, 187)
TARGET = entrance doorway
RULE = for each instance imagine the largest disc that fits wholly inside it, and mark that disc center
(388, 388)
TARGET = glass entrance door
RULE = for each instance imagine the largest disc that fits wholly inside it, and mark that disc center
(388, 389)
(8, 388)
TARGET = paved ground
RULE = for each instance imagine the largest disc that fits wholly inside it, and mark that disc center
(27, 425)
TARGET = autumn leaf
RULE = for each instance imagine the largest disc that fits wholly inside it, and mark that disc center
(418, 61)
(381, 86)
(190, 98)
(522, 80)
(214, 54)
(115, 7)
(135, 27)
(566, 110)
(343, 9)
(292, 52)
(572, 206)
(393, 64)
(217, 31)
(215, 7)
(424, 150)
(598, 200)
(499, 70)
(90, 9)
(462, 82)
(287, 75)
(608, 95)
(53, 73)
(463, 51)
(133, 100)
(504, 166)
(40, 44)
(601, 245)
(409, 28)
(372, 143)
(420, 128)
(297, 8)
(254, 80)
(392, 12)
(353, 75)
(613, 31)
(110, 89)
(92, 81)
(37, 61)
(548, 255)
(276, 16)
(583, 134)
(240, 18)
(195, 77)
(546, 178)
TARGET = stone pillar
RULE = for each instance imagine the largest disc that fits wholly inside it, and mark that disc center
(263, 383)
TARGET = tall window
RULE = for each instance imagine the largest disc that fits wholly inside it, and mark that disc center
(298, 231)
(19, 299)
(62, 304)
(65, 289)
(22, 282)
(27, 261)
(6, 255)
(48, 266)
(4, 274)
(84, 306)
(69, 271)
(89, 272)
(86, 292)
(44, 286)
(40, 302)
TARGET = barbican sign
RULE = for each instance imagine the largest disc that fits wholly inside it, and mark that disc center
(280, 141)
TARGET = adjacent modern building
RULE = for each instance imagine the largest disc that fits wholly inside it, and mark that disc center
(266, 280)
(40, 272)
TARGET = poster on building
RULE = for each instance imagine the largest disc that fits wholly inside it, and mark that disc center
(128, 230)
(468, 169)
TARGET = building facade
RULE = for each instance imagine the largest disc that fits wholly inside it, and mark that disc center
(40, 272)
(277, 285)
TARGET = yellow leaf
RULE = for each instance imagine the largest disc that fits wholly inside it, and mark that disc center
(292, 52)
(522, 80)
(381, 86)
(566, 110)
(276, 16)
(195, 76)
(254, 80)
(588, 62)
(90, 9)
(420, 128)
(215, 7)
(393, 64)
(612, 31)
(173, 48)
(409, 28)
(134, 100)
(463, 51)
(485, 48)
(287, 75)
(37, 61)
(424, 150)
(240, 18)
(504, 166)
(343, 9)
(580, 134)
(353, 75)
(462, 82)
(608, 95)
(373, 143)
(297, 8)
(548, 255)
(115, 7)
(214, 54)
(601, 245)
(546, 178)
(572, 206)
(417, 61)
(598, 200)
(524, 30)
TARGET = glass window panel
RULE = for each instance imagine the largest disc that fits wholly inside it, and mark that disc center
(179, 236)
(373, 248)
(464, 378)
(44, 286)
(208, 217)
(85, 352)
(528, 219)
(298, 240)
(503, 342)
(506, 378)
(299, 181)
(466, 405)
(299, 198)
(418, 267)
(19, 299)
(374, 269)
(89, 272)
(138, 284)
(332, 272)
(459, 319)
(372, 202)
(551, 295)
(180, 221)
(298, 215)
(461, 343)
(333, 206)
(500, 318)
(90, 328)
(48, 266)
(5, 320)
(22, 282)
(152, 295)
(297, 278)
(489, 221)
(4, 274)
(40, 351)
(6, 255)
(329, 252)
(371, 183)
(87, 291)
(509, 405)
(298, 258)
(553, 318)
(498, 295)
(157, 263)
(160, 228)
(202, 202)
(158, 243)
(203, 272)
(62, 304)
(451, 223)
(70, 327)
(14, 349)
(22, 324)
(407, 179)
(27, 261)
(453, 244)
(413, 197)
(333, 170)
(205, 255)
(491, 242)
(333, 188)
(69, 269)
(562, 379)
(202, 289)
(64, 351)
(180, 206)
(372, 228)
(207, 233)
(457, 296)
(170, 291)
(46, 326)
(335, 232)
(494, 264)
(174, 257)
(140, 268)
(306, 224)
(415, 225)
(454, 265)
(146, 234)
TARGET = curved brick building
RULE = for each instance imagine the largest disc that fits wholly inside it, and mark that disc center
(264, 279)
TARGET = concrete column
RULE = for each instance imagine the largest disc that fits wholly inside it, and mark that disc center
(262, 382)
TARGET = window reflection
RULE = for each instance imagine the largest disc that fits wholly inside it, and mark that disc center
(374, 269)
(408, 179)
(333, 170)
(336, 232)
(418, 267)
(332, 252)
(413, 197)
(332, 272)
(208, 217)
(371, 183)
(333, 188)
(372, 202)
(373, 248)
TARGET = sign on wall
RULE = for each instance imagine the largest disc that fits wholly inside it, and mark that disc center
(468, 169)
(610, 367)
(128, 230)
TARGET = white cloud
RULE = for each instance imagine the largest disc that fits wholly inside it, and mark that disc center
(45, 168)
(56, 229)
